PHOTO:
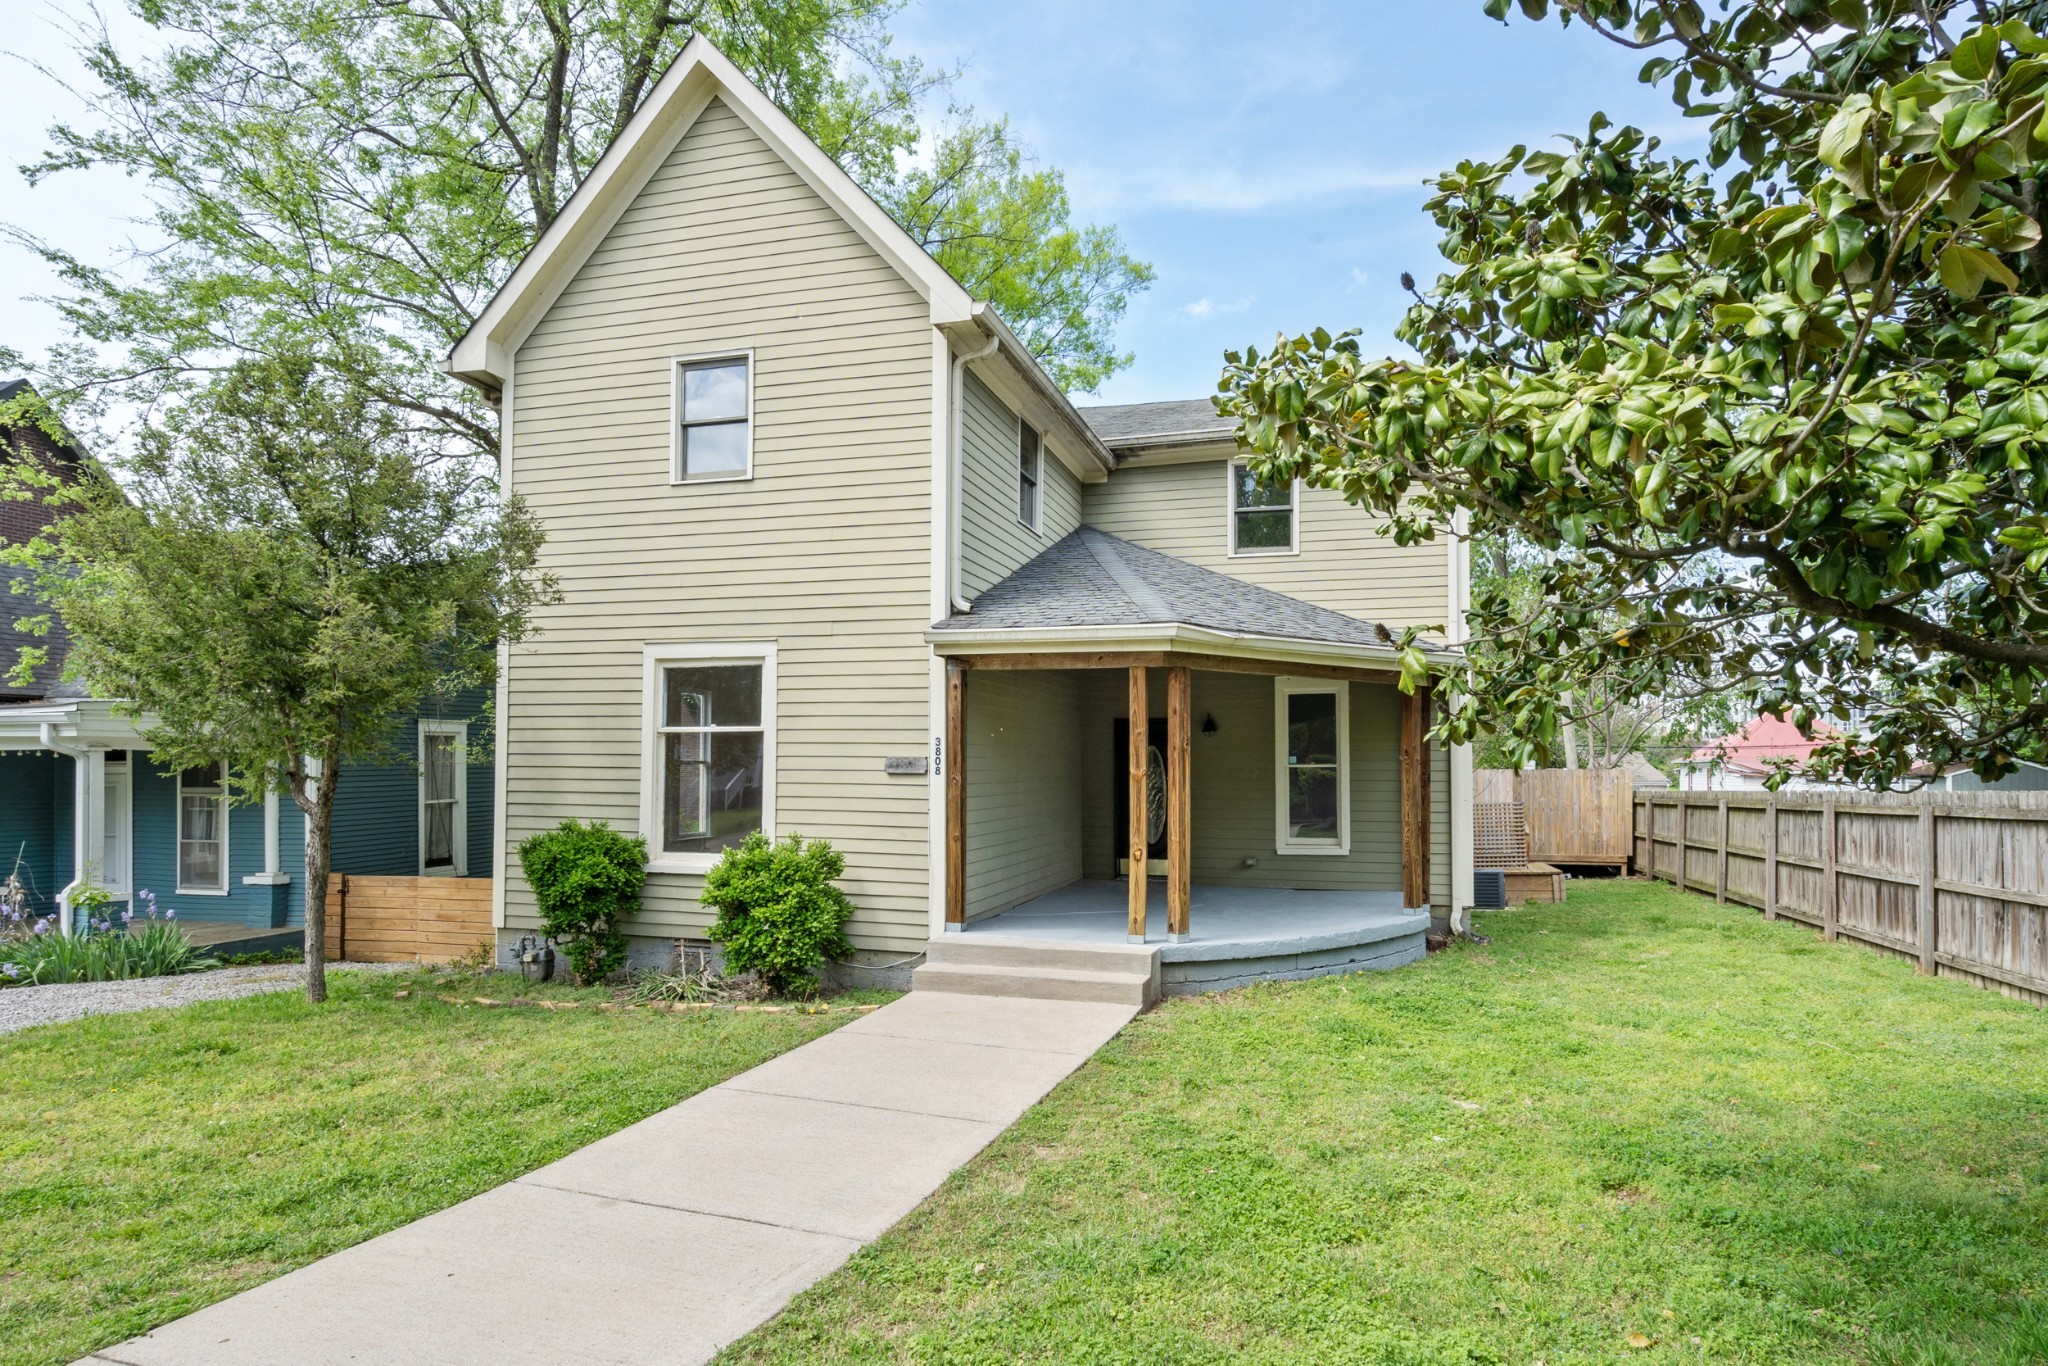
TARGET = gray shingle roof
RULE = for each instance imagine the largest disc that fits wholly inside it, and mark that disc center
(1093, 579)
(1140, 424)
(46, 682)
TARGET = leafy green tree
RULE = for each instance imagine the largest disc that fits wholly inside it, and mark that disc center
(280, 571)
(1776, 424)
(1605, 720)
(355, 178)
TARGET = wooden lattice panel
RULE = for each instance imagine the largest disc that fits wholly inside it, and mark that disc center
(1500, 835)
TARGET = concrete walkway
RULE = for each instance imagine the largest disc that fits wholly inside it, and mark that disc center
(670, 1239)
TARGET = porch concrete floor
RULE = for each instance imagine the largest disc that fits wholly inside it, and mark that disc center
(1224, 923)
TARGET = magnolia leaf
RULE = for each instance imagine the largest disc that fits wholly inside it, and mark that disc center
(1976, 55)
(1844, 133)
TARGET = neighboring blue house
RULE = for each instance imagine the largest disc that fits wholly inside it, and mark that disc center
(78, 788)
(174, 833)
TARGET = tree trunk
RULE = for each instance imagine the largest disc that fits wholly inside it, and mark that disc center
(319, 814)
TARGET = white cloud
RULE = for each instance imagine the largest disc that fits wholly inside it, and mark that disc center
(1360, 279)
(1206, 307)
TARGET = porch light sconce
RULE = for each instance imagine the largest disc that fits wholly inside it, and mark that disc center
(1209, 724)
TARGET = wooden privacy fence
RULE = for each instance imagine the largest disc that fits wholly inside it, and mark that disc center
(406, 919)
(1956, 882)
(1573, 815)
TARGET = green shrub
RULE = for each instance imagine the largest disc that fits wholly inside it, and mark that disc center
(586, 879)
(778, 913)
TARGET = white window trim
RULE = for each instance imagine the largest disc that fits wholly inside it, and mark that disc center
(654, 659)
(1037, 519)
(1284, 688)
(1230, 519)
(460, 848)
(178, 842)
(675, 416)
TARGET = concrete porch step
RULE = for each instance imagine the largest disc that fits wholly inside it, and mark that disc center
(1044, 984)
(1116, 974)
(1001, 951)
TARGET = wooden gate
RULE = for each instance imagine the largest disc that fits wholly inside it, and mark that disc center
(406, 919)
(1573, 815)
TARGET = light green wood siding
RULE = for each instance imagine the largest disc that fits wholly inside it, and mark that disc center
(825, 551)
(993, 543)
(1233, 791)
(1343, 564)
(1023, 787)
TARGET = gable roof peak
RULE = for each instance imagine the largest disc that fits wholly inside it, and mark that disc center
(699, 74)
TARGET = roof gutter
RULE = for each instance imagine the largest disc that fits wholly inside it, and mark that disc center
(991, 323)
(1164, 637)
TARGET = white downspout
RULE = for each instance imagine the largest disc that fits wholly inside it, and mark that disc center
(956, 470)
(1461, 755)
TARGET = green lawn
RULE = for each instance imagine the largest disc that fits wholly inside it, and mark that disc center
(155, 1162)
(1638, 1127)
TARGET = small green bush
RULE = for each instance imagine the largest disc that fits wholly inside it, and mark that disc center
(779, 913)
(586, 880)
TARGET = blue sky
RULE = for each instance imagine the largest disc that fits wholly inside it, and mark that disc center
(1266, 159)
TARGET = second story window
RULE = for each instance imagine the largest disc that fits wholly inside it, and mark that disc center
(1263, 521)
(714, 419)
(1030, 451)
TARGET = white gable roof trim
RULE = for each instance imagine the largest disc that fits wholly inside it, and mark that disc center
(700, 72)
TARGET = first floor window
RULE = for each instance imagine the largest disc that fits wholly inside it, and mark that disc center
(1314, 766)
(444, 773)
(711, 753)
(202, 829)
(1030, 451)
(1262, 520)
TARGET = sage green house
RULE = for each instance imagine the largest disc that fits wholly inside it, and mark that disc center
(838, 559)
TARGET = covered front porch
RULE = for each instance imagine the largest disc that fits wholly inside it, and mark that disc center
(1148, 756)
(83, 806)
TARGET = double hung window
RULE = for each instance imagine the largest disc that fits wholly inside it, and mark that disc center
(714, 419)
(1030, 458)
(711, 752)
(203, 830)
(1263, 521)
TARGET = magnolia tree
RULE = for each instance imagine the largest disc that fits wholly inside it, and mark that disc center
(1775, 426)
(282, 570)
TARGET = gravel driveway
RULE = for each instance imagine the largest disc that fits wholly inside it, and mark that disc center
(22, 1007)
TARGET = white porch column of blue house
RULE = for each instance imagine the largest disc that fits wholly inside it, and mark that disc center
(88, 820)
(272, 876)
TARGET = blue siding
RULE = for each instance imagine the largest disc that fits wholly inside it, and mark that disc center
(377, 807)
(28, 823)
(156, 855)
(63, 781)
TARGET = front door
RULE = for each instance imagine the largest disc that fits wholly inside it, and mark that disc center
(1155, 798)
(117, 837)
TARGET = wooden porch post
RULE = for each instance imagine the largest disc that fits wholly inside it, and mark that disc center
(1141, 728)
(1180, 703)
(955, 757)
(1415, 799)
